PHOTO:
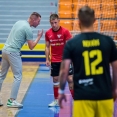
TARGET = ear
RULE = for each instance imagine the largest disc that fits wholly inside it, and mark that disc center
(58, 20)
(50, 21)
(79, 22)
(94, 20)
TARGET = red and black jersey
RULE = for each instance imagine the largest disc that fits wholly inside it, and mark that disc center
(57, 40)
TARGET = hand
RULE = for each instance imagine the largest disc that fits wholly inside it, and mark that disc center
(47, 63)
(61, 97)
(40, 33)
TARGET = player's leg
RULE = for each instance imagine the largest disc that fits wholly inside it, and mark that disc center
(4, 69)
(84, 108)
(16, 66)
(55, 68)
(70, 80)
(105, 108)
(55, 89)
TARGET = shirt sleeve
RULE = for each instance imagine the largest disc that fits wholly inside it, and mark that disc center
(67, 35)
(46, 37)
(29, 34)
(67, 51)
(113, 56)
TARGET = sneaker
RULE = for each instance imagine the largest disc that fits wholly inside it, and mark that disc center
(1, 104)
(14, 104)
(54, 103)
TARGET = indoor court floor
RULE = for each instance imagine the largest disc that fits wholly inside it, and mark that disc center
(35, 93)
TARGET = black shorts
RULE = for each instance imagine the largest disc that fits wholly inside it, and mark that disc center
(55, 69)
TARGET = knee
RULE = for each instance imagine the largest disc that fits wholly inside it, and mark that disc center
(70, 82)
(70, 79)
(55, 79)
(18, 77)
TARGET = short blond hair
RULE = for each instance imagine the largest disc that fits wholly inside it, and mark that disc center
(54, 16)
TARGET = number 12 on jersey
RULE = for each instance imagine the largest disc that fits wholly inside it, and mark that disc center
(91, 67)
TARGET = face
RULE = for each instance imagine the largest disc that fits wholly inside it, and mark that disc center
(36, 22)
(55, 24)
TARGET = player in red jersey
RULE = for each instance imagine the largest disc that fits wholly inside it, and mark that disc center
(56, 38)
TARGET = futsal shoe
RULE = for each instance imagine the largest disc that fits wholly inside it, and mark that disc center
(13, 104)
(54, 103)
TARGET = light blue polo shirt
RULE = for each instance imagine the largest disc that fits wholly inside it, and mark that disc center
(20, 33)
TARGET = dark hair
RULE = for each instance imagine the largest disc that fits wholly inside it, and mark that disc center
(54, 16)
(86, 16)
(35, 14)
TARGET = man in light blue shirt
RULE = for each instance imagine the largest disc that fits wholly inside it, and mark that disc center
(20, 33)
